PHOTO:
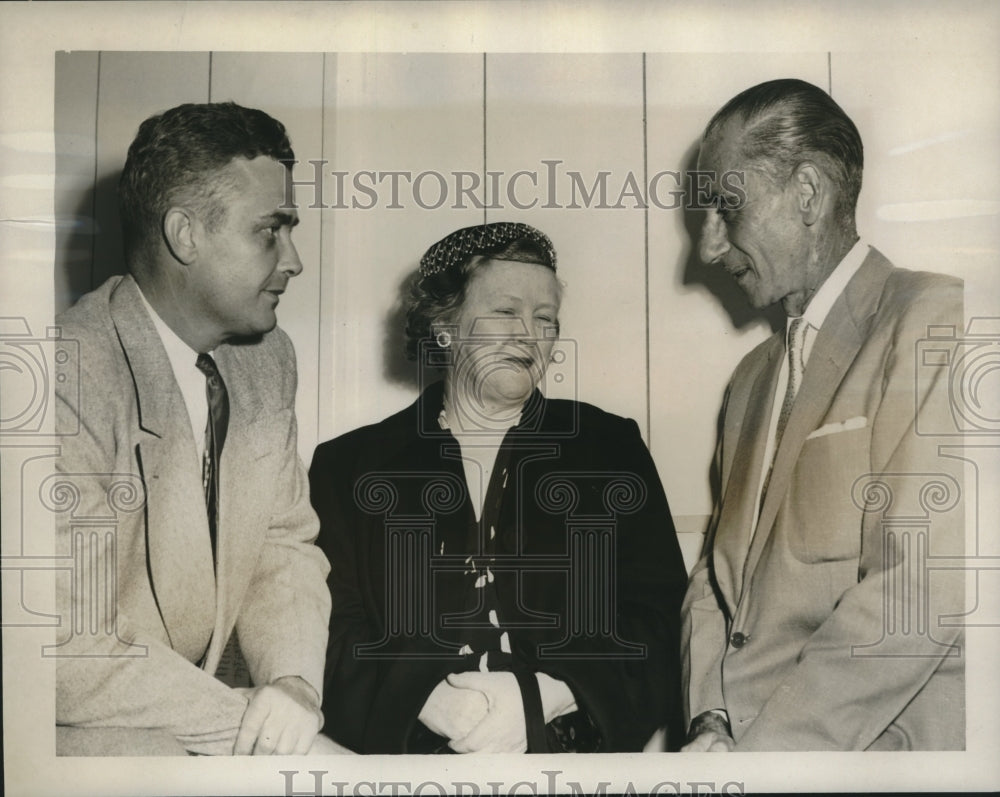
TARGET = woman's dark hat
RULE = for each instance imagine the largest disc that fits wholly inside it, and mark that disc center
(454, 249)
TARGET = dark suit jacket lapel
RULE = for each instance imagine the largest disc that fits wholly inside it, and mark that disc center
(744, 475)
(836, 346)
(177, 539)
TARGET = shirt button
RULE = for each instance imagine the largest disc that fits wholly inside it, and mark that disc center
(738, 639)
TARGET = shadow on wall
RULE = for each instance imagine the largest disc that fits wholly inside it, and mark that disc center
(695, 275)
(714, 279)
(92, 250)
(396, 368)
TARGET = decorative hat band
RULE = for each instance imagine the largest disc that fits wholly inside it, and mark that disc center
(457, 247)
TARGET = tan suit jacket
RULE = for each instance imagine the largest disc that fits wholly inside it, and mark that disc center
(149, 617)
(829, 626)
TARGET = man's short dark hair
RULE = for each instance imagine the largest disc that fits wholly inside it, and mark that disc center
(175, 159)
(788, 121)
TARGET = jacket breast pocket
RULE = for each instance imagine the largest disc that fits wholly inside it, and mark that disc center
(825, 523)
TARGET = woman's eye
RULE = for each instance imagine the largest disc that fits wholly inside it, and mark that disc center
(505, 311)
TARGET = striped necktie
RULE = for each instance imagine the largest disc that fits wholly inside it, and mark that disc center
(796, 368)
(215, 438)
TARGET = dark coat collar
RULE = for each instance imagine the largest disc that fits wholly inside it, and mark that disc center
(537, 415)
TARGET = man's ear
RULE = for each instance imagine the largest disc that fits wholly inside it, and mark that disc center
(812, 190)
(178, 232)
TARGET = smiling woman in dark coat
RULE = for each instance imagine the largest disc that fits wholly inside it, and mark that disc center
(505, 572)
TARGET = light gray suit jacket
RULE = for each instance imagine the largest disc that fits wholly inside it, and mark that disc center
(149, 617)
(832, 628)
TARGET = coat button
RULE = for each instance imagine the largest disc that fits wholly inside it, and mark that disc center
(738, 639)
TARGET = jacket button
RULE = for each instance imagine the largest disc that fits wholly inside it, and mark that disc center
(738, 639)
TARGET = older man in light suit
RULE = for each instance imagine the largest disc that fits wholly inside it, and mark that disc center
(814, 620)
(181, 434)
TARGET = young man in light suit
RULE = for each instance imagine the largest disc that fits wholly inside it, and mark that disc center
(182, 434)
(814, 620)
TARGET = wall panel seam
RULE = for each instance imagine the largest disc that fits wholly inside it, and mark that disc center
(485, 189)
(645, 235)
(319, 265)
(93, 195)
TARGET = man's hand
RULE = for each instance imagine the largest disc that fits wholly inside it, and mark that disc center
(709, 742)
(502, 730)
(709, 734)
(452, 712)
(282, 718)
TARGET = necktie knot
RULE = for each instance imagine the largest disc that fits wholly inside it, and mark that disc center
(218, 403)
(208, 367)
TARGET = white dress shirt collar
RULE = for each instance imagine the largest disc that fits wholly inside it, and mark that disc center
(189, 379)
(819, 306)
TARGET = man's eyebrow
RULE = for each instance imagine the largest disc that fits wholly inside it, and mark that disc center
(282, 217)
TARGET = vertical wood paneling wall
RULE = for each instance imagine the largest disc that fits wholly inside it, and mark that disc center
(648, 333)
(585, 111)
(387, 112)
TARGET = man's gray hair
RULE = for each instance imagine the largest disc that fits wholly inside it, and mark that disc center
(786, 122)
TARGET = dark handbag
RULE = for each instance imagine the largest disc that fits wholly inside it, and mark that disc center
(574, 732)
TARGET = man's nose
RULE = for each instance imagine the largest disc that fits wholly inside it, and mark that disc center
(290, 262)
(714, 241)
